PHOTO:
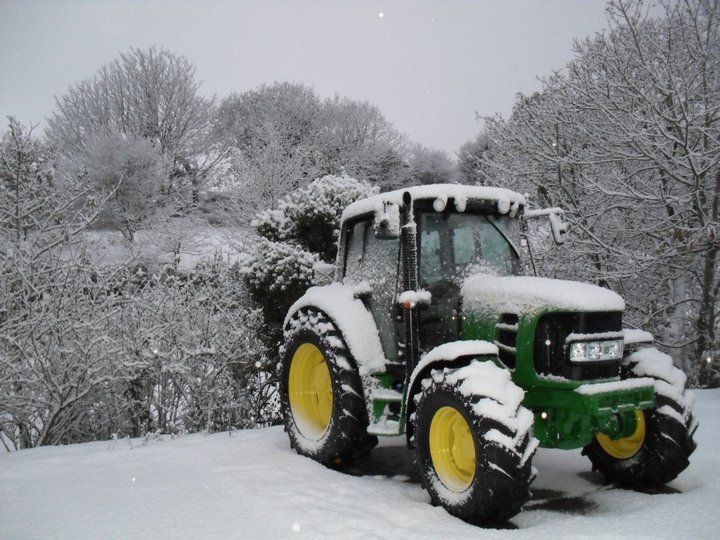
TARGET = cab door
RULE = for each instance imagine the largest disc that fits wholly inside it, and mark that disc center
(436, 273)
(375, 261)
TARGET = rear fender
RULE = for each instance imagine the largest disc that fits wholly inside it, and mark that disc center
(356, 324)
(341, 304)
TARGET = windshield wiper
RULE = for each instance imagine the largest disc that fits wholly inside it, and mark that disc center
(505, 236)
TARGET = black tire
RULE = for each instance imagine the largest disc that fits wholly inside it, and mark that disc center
(346, 437)
(669, 427)
(500, 429)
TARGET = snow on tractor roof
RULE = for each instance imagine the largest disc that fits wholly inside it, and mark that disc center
(508, 201)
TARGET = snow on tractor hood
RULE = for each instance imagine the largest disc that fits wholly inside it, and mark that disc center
(521, 294)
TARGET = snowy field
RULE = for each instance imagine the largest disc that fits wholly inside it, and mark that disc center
(251, 485)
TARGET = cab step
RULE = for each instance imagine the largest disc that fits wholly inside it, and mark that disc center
(386, 394)
(386, 427)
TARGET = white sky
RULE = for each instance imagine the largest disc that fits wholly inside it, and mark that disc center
(428, 65)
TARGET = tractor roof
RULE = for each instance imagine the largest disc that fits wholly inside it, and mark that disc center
(508, 201)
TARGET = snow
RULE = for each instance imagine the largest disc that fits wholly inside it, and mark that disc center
(669, 380)
(362, 289)
(520, 424)
(633, 335)
(542, 212)
(552, 377)
(614, 386)
(655, 363)
(354, 320)
(415, 297)
(386, 394)
(387, 219)
(487, 379)
(454, 349)
(523, 293)
(508, 201)
(558, 227)
(576, 336)
(250, 484)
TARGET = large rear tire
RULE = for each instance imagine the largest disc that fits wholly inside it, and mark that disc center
(658, 451)
(321, 392)
(473, 442)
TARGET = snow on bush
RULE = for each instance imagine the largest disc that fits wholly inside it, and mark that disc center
(279, 269)
(296, 237)
(87, 353)
(311, 215)
(90, 352)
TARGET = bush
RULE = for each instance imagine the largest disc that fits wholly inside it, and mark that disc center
(122, 352)
(310, 216)
(297, 235)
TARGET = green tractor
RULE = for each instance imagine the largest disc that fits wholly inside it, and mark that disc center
(430, 330)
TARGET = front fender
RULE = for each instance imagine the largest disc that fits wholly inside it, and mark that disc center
(453, 354)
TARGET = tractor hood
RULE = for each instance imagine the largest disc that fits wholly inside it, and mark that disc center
(524, 295)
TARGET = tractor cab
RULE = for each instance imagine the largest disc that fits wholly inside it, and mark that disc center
(457, 231)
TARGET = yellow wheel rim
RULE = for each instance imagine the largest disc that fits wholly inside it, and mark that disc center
(452, 449)
(625, 447)
(310, 391)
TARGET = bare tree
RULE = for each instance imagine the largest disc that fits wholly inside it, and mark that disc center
(356, 138)
(148, 93)
(628, 139)
(284, 136)
(127, 166)
(43, 370)
(25, 174)
(469, 164)
(428, 166)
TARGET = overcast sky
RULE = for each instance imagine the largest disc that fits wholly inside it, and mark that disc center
(428, 65)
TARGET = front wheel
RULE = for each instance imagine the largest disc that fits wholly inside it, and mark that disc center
(472, 441)
(661, 442)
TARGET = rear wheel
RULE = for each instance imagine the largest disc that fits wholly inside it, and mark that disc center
(658, 449)
(310, 391)
(472, 441)
(321, 392)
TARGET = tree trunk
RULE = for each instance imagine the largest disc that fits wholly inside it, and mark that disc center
(707, 347)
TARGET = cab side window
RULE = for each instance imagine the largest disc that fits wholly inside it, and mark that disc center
(354, 248)
(375, 261)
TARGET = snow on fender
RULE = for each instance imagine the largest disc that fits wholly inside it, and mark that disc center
(354, 321)
(451, 351)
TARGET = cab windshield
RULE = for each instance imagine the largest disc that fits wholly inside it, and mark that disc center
(455, 245)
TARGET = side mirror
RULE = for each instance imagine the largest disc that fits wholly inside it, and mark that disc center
(387, 221)
(558, 227)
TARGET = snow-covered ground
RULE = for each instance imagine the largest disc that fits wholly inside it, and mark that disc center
(250, 484)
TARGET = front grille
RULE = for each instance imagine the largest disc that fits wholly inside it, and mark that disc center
(506, 341)
(551, 351)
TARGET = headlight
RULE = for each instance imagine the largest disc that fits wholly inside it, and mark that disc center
(596, 351)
